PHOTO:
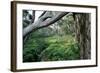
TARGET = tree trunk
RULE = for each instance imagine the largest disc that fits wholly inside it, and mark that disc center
(82, 30)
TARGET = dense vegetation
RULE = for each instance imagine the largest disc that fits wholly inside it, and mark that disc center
(53, 43)
(51, 48)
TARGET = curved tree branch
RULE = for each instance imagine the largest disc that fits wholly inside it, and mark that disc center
(41, 23)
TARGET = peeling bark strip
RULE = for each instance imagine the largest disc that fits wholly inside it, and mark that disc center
(43, 21)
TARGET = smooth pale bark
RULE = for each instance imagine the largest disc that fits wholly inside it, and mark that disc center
(43, 21)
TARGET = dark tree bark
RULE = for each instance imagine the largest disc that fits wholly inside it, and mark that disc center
(33, 16)
(82, 30)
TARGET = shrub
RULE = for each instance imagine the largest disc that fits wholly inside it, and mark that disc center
(29, 55)
(33, 48)
(59, 52)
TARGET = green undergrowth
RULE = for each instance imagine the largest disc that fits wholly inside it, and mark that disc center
(50, 48)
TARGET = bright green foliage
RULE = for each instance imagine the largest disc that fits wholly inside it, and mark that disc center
(61, 50)
(51, 49)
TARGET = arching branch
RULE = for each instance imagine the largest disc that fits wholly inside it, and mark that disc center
(40, 23)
